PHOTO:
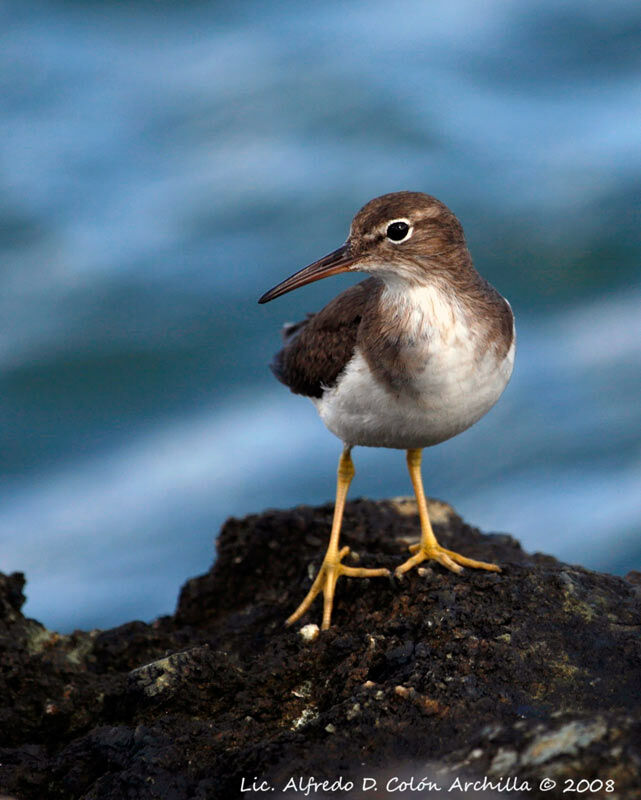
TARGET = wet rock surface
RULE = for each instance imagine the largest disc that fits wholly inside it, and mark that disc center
(533, 673)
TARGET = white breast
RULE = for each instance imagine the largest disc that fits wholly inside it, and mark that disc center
(459, 383)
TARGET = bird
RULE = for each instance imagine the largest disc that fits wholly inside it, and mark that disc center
(409, 357)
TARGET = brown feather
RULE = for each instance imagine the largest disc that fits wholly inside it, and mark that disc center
(318, 348)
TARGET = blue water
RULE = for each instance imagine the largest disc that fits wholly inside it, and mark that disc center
(162, 164)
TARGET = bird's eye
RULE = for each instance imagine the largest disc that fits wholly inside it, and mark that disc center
(398, 231)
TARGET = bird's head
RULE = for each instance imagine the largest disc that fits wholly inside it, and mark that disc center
(402, 237)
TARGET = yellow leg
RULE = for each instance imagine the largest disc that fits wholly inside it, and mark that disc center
(428, 546)
(331, 568)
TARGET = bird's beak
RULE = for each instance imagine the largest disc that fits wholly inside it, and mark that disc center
(339, 261)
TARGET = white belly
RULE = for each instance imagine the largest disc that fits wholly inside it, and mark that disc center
(456, 388)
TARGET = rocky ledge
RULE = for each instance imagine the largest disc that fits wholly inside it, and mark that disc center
(510, 679)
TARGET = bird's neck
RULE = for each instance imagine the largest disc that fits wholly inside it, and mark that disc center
(450, 270)
(417, 310)
(440, 299)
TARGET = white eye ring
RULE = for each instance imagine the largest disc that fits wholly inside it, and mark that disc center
(402, 221)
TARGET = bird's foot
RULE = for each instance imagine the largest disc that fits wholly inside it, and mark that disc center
(325, 582)
(447, 558)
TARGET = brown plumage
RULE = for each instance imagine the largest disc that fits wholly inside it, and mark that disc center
(318, 348)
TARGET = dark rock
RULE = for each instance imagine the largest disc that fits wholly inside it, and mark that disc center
(532, 673)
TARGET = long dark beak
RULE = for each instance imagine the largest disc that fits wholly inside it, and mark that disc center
(338, 261)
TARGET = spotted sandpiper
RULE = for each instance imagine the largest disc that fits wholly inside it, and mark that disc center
(406, 359)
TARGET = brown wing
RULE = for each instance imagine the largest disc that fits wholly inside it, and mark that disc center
(318, 348)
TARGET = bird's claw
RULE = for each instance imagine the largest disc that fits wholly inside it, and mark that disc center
(447, 558)
(330, 571)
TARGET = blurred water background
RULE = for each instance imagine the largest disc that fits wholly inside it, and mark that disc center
(163, 164)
